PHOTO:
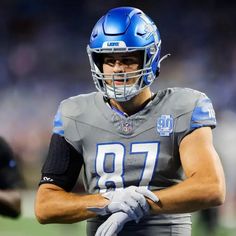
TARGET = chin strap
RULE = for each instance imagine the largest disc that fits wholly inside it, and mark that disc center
(163, 58)
(159, 64)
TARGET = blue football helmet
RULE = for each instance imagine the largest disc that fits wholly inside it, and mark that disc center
(124, 30)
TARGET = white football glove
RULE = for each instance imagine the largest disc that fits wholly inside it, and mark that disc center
(113, 225)
(129, 200)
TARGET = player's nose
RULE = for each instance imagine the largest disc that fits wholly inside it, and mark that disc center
(118, 67)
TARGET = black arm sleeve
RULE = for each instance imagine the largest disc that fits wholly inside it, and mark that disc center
(63, 164)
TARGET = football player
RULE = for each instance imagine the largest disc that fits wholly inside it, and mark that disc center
(147, 157)
(10, 182)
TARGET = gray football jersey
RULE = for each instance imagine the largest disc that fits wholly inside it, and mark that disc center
(142, 149)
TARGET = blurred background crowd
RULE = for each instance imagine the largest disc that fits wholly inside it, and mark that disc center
(43, 60)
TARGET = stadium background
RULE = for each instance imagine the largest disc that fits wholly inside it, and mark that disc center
(43, 60)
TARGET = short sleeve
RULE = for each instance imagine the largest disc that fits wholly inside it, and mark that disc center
(202, 115)
(64, 124)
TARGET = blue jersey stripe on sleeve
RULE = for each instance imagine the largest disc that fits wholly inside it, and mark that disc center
(58, 124)
(57, 131)
(203, 114)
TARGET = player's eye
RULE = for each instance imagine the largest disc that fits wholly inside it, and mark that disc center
(129, 61)
(109, 61)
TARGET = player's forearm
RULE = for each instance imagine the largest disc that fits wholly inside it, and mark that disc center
(189, 196)
(58, 206)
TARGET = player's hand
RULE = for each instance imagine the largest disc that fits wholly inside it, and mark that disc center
(113, 225)
(130, 200)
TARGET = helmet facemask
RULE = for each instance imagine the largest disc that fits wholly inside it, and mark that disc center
(125, 91)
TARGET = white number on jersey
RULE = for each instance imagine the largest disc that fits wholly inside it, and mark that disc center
(117, 152)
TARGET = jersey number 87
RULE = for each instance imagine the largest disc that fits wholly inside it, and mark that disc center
(118, 151)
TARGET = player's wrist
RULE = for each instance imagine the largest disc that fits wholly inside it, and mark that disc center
(154, 207)
(100, 205)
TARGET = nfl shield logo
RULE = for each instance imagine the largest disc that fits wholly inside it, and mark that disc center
(126, 126)
(165, 125)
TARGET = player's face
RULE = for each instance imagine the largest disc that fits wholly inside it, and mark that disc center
(116, 64)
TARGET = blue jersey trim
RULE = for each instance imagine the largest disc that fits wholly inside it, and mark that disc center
(203, 114)
(58, 124)
(60, 132)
